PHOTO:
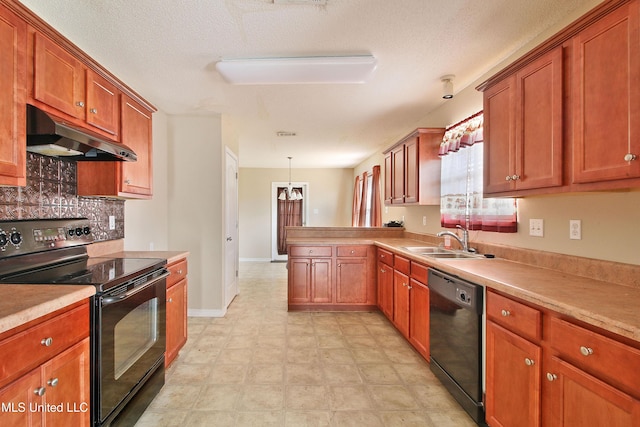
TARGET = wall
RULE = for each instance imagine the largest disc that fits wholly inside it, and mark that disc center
(610, 221)
(329, 202)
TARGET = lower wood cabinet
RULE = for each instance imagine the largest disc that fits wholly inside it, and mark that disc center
(44, 372)
(401, 302)
(336, 277)
(176, 326)
(385, 289)
(419, 309)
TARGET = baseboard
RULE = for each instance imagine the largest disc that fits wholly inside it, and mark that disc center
(255, 259)
(197, 312)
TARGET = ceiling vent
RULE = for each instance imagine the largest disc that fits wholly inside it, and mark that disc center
(312, 2)
(284, 133)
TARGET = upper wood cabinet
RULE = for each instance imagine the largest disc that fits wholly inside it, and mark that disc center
(103, 104)
(606, 101)
(412, 169)
(523, 128)
(13, 69)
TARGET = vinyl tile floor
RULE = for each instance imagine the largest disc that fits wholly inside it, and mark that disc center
(261, 365)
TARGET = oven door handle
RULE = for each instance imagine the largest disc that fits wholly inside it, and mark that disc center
(112, 300)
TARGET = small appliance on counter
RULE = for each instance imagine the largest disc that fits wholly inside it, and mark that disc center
(394, 224)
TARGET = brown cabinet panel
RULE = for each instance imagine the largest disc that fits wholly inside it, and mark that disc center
(19, 396)
(606, 97)
(299, 280)
(103, 109)
(137, 177)
(351, 280)
(385, 289)
(13, 69)
(397, 175)
(401, 302)
(419, 317)
(321, 283)
(411, 175)
(513, 379)
(310, 251)
(517, 317)
(388, 179)
(176, 320)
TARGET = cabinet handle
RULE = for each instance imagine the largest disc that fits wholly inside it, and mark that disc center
(586, 351)
(47, 342)
(551, 377)
(93, 110)
(529, 362)
(80, 104)
(40, 391)
(506, 313)
(630, 157)
(53, 382)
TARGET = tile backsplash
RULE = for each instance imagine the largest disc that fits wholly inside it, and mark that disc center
(51, 193)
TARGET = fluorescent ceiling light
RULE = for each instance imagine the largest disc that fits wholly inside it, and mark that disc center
(298, 70)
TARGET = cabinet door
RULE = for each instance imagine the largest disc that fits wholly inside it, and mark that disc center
(299, 280)
(18, 400)
(137, 176)
(103, 104)
(176, 320)
(419, 317)
(513, 379)
(321, 280)
(59, 78)
(388, 179)
(606, 97)
(411, 174)
(385, 289)
(13, 69)
(401, 302)
(576, 398)
(397, 175)
(538, 150)
(66, 378)
(351, 280)
(499, 128)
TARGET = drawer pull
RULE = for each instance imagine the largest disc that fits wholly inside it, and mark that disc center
(551, 377)
(506, 313)
(586, 351)
(47, 342)
(40, 391)
(529, 362)
(53, 382)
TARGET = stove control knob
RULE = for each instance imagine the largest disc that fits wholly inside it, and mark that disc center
(71, 232)
(86, 230)
(79, 231)
(16, 237)
(3, 240)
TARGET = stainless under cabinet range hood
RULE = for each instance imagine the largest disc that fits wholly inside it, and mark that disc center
(52, 136)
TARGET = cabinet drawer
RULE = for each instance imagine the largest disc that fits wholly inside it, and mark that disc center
(178, 272)
(310, 251)
(24, 351)
(355, 251)
(385, 256)
(401, 264)
(596, 354)
(419, 272)
(517, 317)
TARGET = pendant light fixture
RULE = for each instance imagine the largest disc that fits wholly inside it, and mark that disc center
(290, 193)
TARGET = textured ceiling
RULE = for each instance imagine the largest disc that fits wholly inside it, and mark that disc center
(167, 50)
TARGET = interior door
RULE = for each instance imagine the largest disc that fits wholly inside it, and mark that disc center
(231, 228)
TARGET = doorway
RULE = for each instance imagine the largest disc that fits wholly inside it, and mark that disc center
(304, 186)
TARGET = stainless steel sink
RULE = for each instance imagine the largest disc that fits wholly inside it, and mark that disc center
(455, 255)
(425, 249)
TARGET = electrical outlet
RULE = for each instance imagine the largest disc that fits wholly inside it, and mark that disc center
(424, 220)
(112, 222)
(575, 229)
(536, 227)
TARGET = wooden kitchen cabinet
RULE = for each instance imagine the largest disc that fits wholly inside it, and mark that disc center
(419, 309)
(310, 270)
(606, 101)
(123, 179)
(13, 68)
(401, 290)
(412, 168)
(47, 363)
(176, 325)
(385, 282)
(103, 104)
(523, 140)
(354, 278)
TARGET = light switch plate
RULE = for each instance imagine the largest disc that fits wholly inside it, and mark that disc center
(112, 222)
(575, 229)
(536, 227)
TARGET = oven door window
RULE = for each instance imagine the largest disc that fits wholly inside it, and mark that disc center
(131, 341)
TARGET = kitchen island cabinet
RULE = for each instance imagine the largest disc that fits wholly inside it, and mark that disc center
(176, 326)
(13, 63)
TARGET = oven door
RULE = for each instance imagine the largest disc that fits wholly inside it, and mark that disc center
(129, 340)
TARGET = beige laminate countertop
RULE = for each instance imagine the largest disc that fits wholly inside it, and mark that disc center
(20, 304)
(609, 306)
(170, 256)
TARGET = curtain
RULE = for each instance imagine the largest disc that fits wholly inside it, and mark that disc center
(376, 208)
(462, 202)
(362, 216)
(289, 214)
(355, 210)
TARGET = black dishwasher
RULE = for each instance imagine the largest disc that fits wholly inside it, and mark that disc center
(455, 335)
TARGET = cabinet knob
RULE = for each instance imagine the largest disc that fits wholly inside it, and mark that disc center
(404, 284)
(47, 342)
(93, 110)
(409, 287)
(506, 313)
(339, 265)
(382, 270)
(630, 157)
(353, 252)
(551, 377)
(170, 300)
(507, 178)
(529, 362)
(80, 104)
(515, 177)
(179, 271)
(127, 181)
(586, 351)
(53, 382)
(40, 391)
